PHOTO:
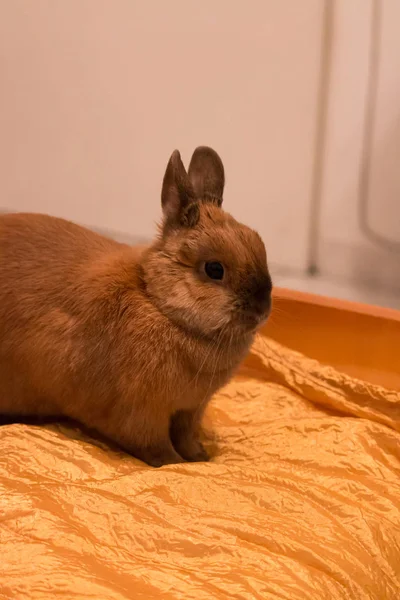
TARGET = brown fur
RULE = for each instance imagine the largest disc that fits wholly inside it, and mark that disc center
(131, 342)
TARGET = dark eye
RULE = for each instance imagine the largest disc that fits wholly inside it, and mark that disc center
(214, 270)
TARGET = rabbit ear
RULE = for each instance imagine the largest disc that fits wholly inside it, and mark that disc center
(177, 194)
(206, 173)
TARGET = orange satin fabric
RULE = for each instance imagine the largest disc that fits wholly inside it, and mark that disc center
(300, 501)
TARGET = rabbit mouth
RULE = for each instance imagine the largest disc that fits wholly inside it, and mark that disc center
(252, 321)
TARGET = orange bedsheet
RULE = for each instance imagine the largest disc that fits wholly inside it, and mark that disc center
(300, 501)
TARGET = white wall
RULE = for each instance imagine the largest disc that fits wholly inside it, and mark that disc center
(96, 94)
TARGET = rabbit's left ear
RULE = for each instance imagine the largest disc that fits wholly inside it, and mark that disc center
(207, 176)
(178, 199)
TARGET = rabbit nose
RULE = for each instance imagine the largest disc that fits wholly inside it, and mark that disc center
(262, 296)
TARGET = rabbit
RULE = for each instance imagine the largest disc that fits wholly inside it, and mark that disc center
(132, 342)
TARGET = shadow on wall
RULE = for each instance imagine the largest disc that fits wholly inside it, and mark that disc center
(376, 268)
(376, 261)
(359, 239)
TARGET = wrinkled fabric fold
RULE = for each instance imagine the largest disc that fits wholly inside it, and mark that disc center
(301, 499)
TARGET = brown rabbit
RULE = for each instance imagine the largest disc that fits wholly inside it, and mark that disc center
(132, 342)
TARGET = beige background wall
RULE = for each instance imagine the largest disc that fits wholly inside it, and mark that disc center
(95, 94)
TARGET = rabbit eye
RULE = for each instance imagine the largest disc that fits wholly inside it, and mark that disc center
(214, 270)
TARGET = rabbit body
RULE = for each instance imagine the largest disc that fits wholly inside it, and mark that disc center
(131, 342)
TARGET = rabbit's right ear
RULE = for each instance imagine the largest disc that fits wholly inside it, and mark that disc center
(177, 197)
(206, 173)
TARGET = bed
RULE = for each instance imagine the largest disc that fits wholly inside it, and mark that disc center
(301, 499)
